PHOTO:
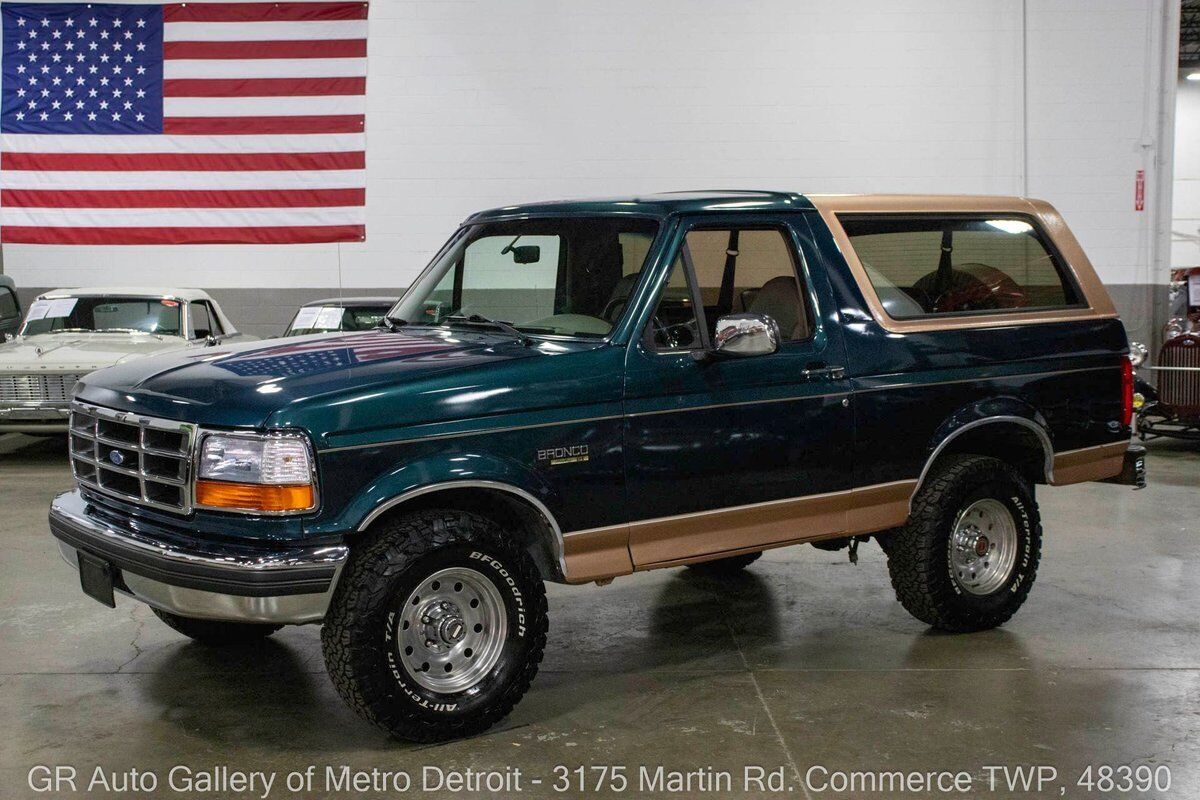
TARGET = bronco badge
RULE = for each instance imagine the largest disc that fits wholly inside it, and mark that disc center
(557, 456)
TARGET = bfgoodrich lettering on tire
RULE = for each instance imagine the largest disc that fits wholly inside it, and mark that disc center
(969, 553)
(437, 625)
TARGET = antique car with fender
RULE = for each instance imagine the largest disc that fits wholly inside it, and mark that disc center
(577, 391)
(70, 332)
(1170, 406)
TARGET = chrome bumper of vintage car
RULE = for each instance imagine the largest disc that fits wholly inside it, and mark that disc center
(45, 417)
(287, 584)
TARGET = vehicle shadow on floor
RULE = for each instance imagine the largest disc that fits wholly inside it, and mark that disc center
(271, 694)
(264, 694)
(17, 449)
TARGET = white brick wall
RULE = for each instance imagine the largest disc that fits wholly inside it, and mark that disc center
(475, 103)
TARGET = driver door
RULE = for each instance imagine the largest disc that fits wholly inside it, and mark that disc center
(728, 454)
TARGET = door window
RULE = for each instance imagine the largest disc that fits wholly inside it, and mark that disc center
(736, 270)
(204, 321)
(8, 304)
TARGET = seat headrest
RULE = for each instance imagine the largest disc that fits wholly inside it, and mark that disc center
(779, 298)
(620, 295)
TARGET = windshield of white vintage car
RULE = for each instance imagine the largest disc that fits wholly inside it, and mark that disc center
(103, 314)
(563, 276)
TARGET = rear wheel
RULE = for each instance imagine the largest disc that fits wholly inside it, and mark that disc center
(217, 632)
(968, 555)
(723, 567)
(437, 626)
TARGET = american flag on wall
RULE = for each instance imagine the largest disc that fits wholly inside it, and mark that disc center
(182, 123)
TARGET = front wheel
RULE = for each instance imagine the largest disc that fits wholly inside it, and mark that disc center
(968, 555)
(437, 626)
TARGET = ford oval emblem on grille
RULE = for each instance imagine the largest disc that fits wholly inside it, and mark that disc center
(117, 457)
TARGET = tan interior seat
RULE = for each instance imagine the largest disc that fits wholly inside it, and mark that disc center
(779, 299)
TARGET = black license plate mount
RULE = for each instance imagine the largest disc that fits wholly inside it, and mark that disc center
(96, 578)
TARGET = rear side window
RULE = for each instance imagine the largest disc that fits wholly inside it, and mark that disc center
(926, 265)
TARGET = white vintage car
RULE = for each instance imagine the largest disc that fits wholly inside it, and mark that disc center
(70, 332)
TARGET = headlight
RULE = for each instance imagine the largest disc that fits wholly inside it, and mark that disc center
(270, 473)
(1138, 353)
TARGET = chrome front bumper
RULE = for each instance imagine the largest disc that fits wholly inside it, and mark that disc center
(285, 585)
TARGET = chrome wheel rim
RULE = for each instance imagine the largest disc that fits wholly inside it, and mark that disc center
(983, 547)
(452, 630)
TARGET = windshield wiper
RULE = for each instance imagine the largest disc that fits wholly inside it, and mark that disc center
(480, 319)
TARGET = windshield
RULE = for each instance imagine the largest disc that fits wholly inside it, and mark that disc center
(323, 319)
(559, 276)
(143, 314)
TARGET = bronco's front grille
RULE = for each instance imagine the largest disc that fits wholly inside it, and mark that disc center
(37, 387)
(140, 459)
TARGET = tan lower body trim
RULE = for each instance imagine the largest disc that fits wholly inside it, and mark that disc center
(651, 544)
(1088, 463)
(879, 507)
(608, 552)
(597, 554)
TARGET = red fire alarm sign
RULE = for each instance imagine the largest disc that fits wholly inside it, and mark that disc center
(1139, 191)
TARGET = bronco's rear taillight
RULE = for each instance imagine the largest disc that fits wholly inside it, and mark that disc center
(1126, 392)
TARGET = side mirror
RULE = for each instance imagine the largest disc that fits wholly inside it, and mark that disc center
(746, 335)
(526, 253)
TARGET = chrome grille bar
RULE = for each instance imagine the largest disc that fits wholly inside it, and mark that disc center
(144, 460)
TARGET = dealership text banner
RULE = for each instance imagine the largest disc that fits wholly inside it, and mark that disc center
(182, 123)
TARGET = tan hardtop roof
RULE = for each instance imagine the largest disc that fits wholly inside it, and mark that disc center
(926, 202)
(1098, 302)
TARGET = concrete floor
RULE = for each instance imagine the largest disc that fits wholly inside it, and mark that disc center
(806, 660)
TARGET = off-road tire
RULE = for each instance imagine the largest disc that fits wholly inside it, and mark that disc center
(360, 637)
(918, 553)
(723, 567)
(217, 632)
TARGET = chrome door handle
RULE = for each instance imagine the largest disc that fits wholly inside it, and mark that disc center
(832, 373)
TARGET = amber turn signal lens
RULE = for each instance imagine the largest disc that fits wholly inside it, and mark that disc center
(254, 497)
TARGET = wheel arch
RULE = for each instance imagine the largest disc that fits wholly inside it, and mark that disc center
(515, 508)
(1011, 431)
